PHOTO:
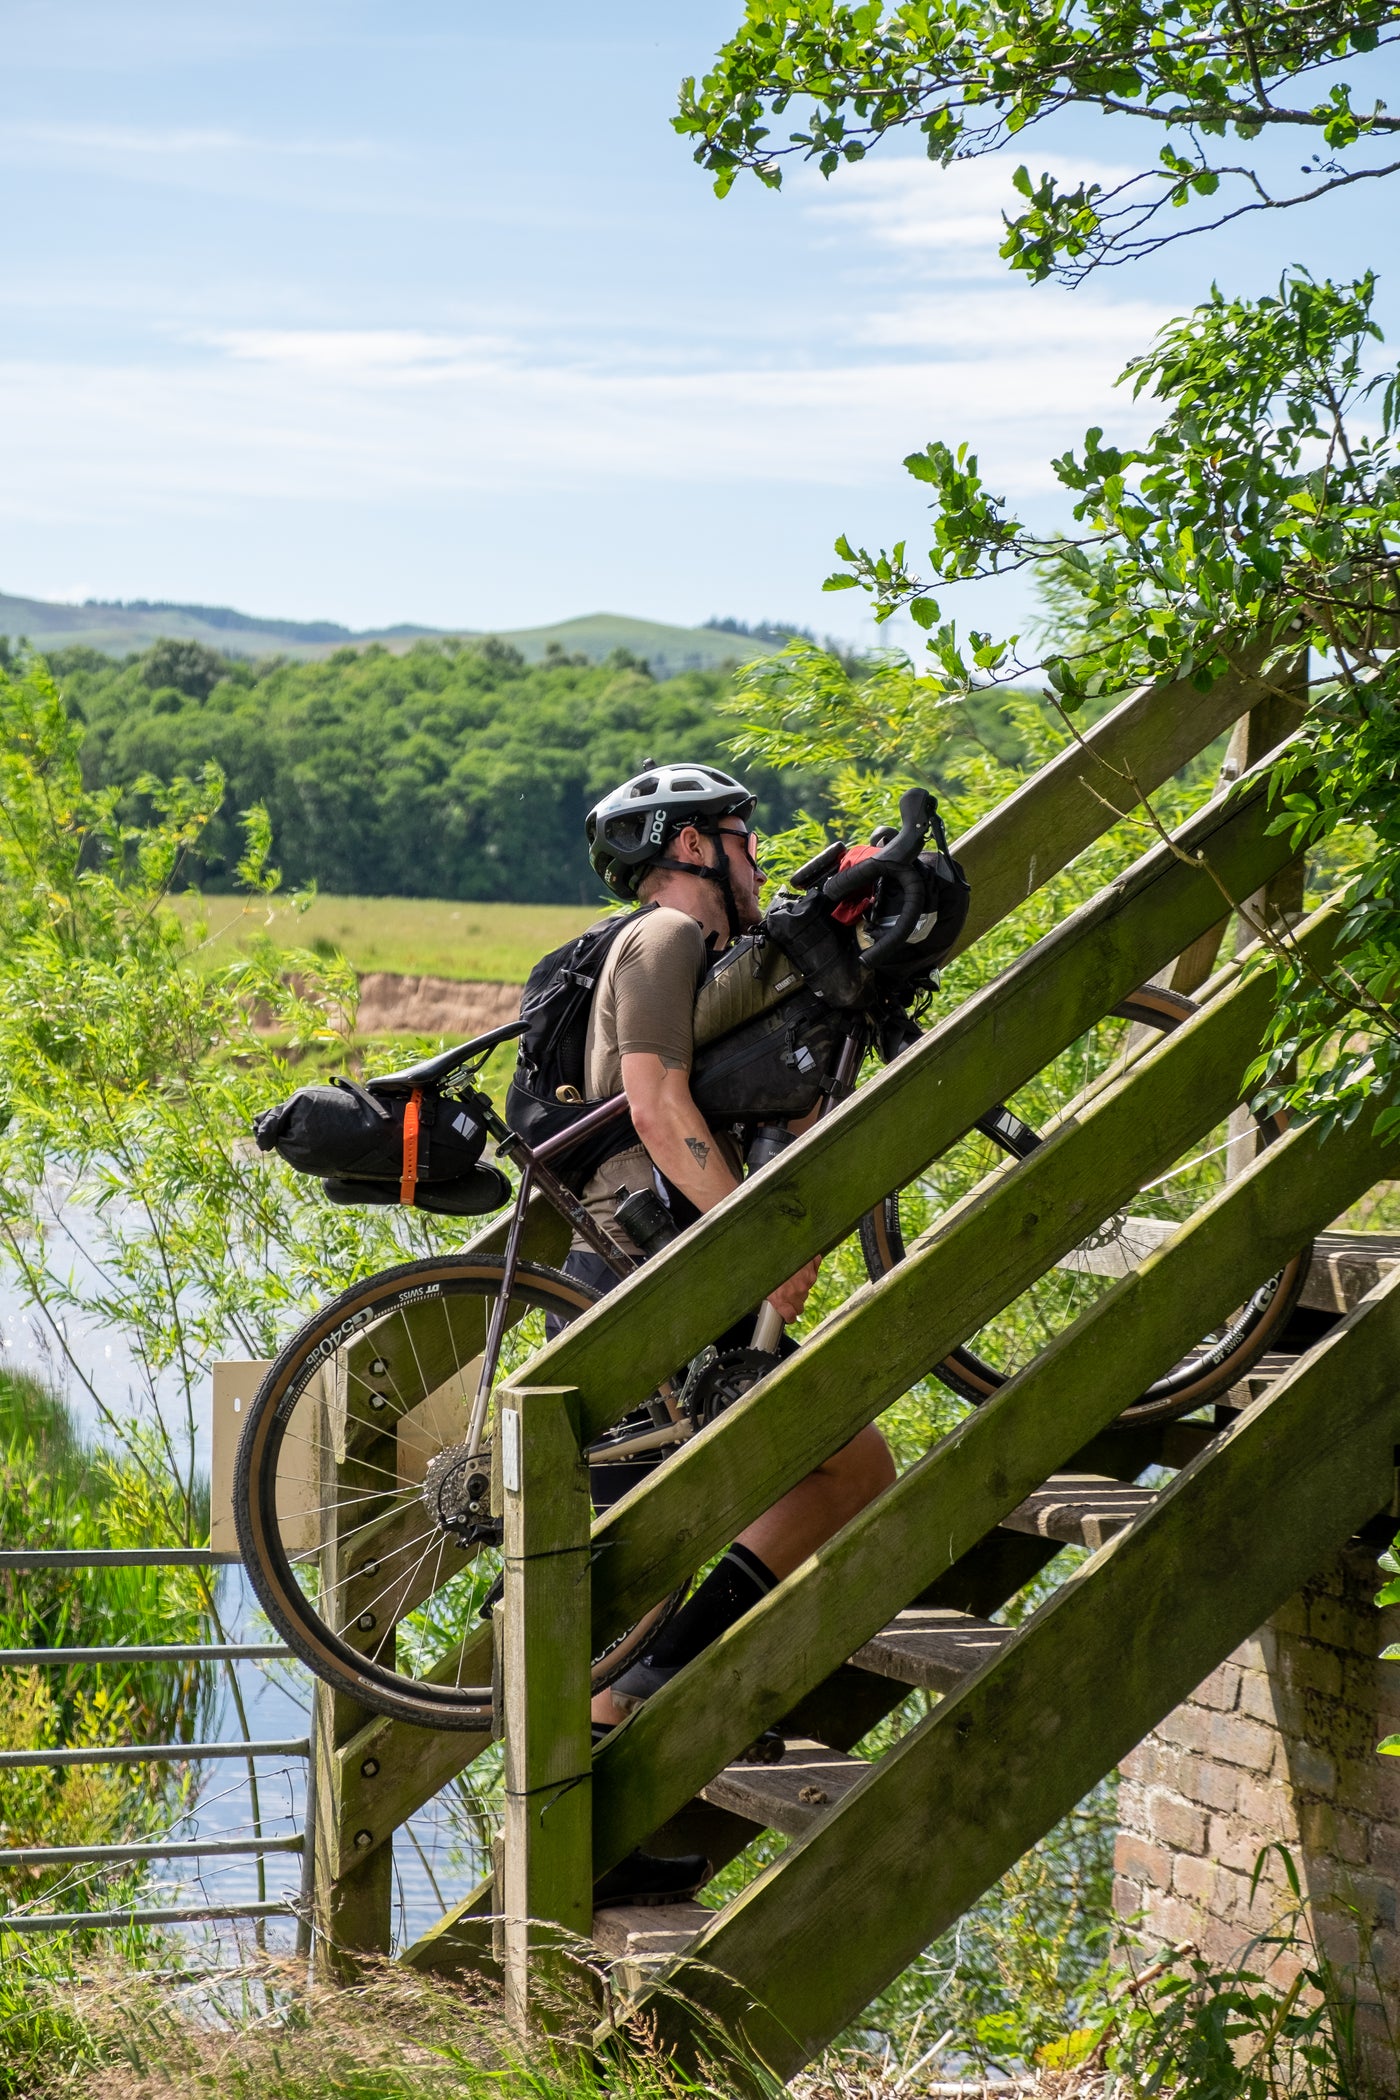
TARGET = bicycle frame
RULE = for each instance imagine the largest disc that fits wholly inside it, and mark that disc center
(538, 1178)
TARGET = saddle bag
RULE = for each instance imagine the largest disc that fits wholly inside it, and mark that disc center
(421, 1148)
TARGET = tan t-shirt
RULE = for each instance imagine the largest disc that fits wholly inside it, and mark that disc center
(645, 1001)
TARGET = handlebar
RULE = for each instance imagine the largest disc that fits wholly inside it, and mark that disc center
(916, 813)
(896, 862)
(911, 907)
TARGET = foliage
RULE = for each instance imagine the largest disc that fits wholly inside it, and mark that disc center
(1283, 2017)
(55, 1491)
(132, 1194)
(1258, 519)
(970, 79)
(1387, 1596)
(450, 770)
(1023, 1969)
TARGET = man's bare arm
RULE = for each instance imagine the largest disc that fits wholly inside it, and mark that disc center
(676, 1135)
(680, 1142)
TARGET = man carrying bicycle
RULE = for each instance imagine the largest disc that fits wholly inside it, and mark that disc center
(679, 840)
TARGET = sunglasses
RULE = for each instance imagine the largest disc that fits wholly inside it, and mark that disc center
(749, 837)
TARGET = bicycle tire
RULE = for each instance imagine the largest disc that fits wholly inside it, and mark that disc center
(269, 1554)
(1204, 1373)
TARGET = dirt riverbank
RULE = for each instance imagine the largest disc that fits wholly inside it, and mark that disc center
(432, 1005)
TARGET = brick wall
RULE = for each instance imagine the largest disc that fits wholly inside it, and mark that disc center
(1278, 1744)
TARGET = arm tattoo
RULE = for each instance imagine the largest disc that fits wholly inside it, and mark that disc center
(699, 1151)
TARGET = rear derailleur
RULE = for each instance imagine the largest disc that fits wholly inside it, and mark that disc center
(457, 1493)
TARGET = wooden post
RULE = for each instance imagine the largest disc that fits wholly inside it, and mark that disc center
(1278, 905)
(1268, 724)
(353, 1904)
(545, 1621)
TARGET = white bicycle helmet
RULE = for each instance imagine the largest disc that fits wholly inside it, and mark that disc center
(628, 830)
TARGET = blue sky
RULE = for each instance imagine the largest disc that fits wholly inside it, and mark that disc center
(424, 313)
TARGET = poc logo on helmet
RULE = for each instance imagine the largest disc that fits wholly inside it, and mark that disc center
(658, 828)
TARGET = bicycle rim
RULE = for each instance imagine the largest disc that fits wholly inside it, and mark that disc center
(1009, 1341)
(346, 1557)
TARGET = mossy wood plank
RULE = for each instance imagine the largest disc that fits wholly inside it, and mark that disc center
(964, 1795)
(1072, 800)
(1269, 721)
(419, 1349)
(839, 1712)
(546, 1658)
(462, 1939)
(399, 1561)
(817, 1190)
(352, 1895)
(889, 1334)
(977, 1476)
(388, 1769)
(545, 1235)
(845, 1706)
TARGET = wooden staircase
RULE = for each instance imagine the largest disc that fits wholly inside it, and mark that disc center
(1029, 1711)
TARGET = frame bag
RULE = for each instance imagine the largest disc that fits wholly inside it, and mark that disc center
(774, 1067)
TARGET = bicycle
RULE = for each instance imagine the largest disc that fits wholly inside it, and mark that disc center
(378, 1407)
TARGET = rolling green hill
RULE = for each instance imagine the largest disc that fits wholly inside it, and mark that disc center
(125, 629)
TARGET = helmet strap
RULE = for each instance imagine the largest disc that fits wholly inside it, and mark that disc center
(718, 874)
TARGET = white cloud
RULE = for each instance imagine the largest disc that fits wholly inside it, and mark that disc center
(145, 141)
(361, 416)
(1037, 319)
(396, 355)
(951, 215)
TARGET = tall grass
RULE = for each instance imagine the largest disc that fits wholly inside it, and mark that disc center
(256, 2031)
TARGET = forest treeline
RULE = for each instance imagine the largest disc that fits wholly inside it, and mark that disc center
(451, 770)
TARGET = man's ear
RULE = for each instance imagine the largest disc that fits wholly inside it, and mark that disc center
(691, 844)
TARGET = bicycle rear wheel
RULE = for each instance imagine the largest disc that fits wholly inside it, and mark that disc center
(352, 1442)
(1008, 1342)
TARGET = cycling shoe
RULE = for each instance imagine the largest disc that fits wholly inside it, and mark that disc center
(644, 1879)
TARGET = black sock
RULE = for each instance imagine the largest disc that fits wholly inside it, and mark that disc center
(728, 1591)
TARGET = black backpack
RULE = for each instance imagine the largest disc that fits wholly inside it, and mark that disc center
(547, 1092)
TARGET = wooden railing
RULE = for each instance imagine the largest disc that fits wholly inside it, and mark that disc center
(884, 1338)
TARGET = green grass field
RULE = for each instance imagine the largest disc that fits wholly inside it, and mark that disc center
(411, 936)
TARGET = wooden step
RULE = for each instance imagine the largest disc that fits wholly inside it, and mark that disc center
(638, 1940)
(1080, 1509)
(791, 1796)
(1270, 1367)
(933, 1649)
(1346, 1265)
(648, 1931)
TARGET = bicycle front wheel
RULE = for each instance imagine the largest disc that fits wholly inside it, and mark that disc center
(1015, 1336)
(352, 1451)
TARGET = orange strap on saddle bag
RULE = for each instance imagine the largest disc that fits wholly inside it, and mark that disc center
(411, 1116)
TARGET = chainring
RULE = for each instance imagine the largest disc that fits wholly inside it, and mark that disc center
(717, 1383)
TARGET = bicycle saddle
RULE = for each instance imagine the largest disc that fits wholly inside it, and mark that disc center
(433, 1070)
